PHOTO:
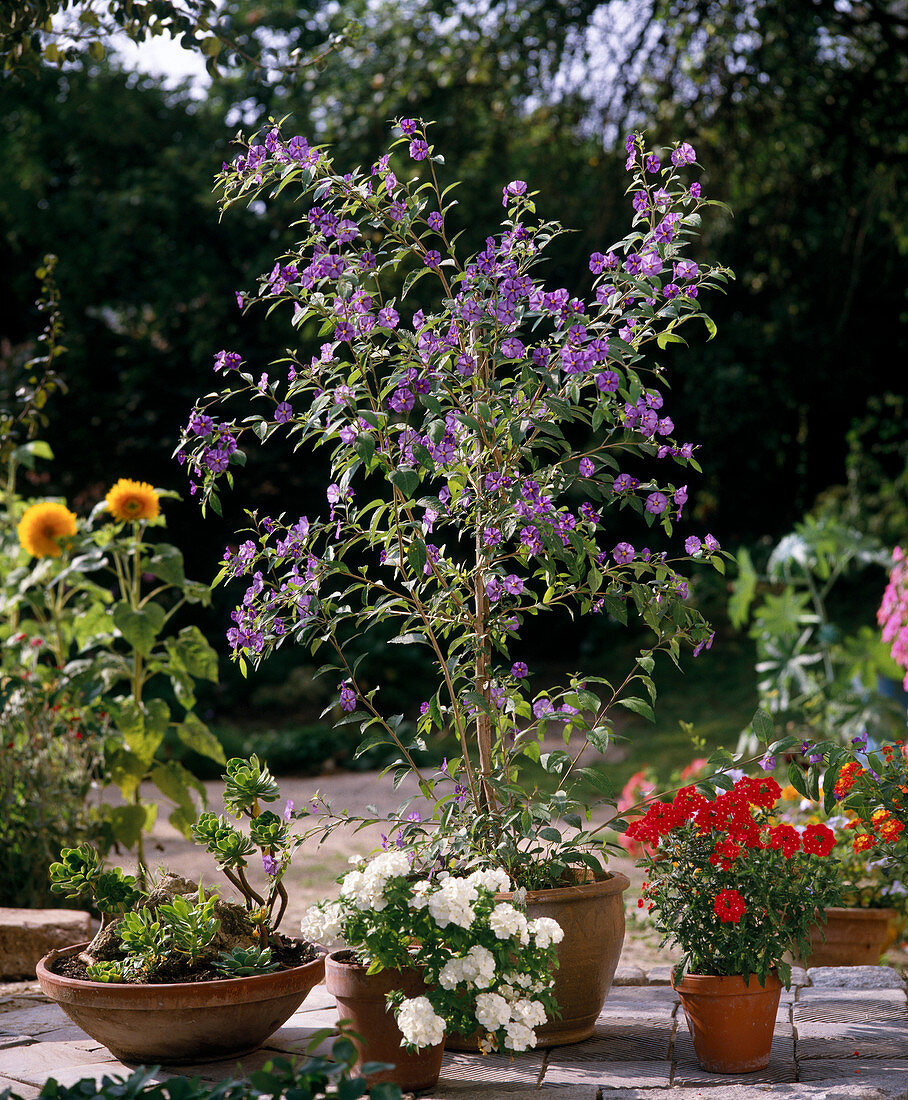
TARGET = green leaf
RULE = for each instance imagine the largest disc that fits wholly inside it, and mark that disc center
(195, 735)
(763, 725)
(190, 649)
(143, 726)
(638, 706)
(743, 590)
(166, 564)
(406, 481)
(797, 779)
(139, 628)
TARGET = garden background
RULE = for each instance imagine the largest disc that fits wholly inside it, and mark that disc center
(798, 114)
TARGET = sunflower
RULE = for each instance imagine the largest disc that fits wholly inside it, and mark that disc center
(132, 500)
(42, 525)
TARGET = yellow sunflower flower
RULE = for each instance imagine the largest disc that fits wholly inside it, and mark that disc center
(42, 525)
(132, 500)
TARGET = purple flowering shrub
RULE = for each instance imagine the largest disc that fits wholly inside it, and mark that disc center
(457, 506)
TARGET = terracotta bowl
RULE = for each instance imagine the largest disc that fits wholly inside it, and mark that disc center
(182, 1022)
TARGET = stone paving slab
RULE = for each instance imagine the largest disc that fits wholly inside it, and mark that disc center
(641, 1050)
(27, 1092)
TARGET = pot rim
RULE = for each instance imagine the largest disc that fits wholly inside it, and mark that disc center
(861, 912)
(68, 988)
(613, 882)
(726, 985)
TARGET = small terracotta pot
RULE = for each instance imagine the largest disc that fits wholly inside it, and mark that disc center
(850, 937)
(183, 1022)
(361, 1000)
(731, 1020)
(591, 915)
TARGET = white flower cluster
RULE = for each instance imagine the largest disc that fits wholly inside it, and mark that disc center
(507, 923)
(452, 902)
(494, 879)
(545, 931)
(366, 888)
(476, 968)
(419, 1023)
(324, 924)
(518, 1018)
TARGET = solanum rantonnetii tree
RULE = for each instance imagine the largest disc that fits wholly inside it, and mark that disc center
(489, 445)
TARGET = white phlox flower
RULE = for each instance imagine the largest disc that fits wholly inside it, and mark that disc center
(420, 898)
(452, 903)
(419, 1024)
(519, 1036)
(494, 879)
(324, 925)
(492, 1011)
(546, 931)
(506, 922)
(476, 968)
(531, 1013)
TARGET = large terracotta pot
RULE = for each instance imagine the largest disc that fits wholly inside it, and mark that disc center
(850, 937)
(183, 1022)
(361, 1000)
(592, 917)
(731, 1020)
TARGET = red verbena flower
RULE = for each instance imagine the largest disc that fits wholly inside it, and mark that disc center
(729, 906)
(818, 840)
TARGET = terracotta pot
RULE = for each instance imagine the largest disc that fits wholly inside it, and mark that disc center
(361, 1000)
(731, 1020)
(592, 917)
(850, 937)
(183, 1022)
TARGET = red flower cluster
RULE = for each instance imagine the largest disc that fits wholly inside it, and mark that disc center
(729, 906)
(737, 825)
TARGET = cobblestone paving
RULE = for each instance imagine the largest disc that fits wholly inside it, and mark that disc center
(841, 1034)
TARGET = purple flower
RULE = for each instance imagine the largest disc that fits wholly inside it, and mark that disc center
(512, 190)
(653, 163)
(531, 539)
(695, 190)
(512, 348)
(597, 262)
(402, 400)
(344, 331)
(432, 258)
(227, 360)
(767, 762)
(623, 553)
(270, 864)
(513, 585)
(435, 221)
(283, 412)
(684, 154)
(607, 381)
(288, 809)
(711, 544)
(587, 467)
(347, 697)
(408, 125)
(519, 670)
(491, 536)
(466, 365)
(708, 644)
(656, 503)
(650, 263)
(419, 149)
(493, 588)
(388, 317)
(624, 482)
(691, 544)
